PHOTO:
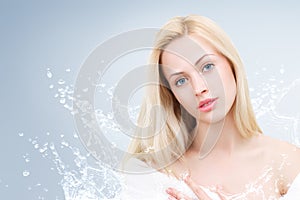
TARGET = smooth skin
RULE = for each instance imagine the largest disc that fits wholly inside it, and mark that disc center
(234, 162)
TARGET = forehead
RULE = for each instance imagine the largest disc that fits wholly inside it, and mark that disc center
(187, 49)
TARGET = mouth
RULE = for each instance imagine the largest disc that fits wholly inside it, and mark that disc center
(207, 104)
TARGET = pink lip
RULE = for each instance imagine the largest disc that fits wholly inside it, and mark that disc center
(207, 104)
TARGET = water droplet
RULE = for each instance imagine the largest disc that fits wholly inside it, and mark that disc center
(73, 112)
(110, 91)
(110, 116)
(62, 101)
(61, 82)
(184, 175)
(281, 71)
(36, 146)
(41, 198)
(21, 134)
(26, 155)
(26, 173)
(49, 74)
(51, 86)
(68, 70)
(102, 85)
(42, 150)
(65, 143)
(68, 107)
(52, 147)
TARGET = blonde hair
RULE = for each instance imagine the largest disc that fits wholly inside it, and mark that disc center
(167, 142)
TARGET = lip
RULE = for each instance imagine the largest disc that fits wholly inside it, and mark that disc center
(207, 104)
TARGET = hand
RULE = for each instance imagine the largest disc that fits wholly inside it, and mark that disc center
(177, 195)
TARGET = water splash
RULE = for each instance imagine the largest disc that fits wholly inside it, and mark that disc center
(84, 178)
(49, 73)
(276, 105)
(91, 180)
(26, 173)
(81, 179)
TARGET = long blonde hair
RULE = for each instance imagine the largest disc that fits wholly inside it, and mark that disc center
(162, 143)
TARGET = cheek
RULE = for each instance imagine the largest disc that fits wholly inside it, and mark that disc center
(186, 98)
(183, 95)
(231, 81)
(229, 85)
(222, 84)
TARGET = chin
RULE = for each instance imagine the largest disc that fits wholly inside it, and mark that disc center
(212, 118)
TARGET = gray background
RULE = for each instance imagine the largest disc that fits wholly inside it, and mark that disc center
(36, 35)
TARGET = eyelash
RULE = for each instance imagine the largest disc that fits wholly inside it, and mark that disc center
(211, 66)
(177, 82)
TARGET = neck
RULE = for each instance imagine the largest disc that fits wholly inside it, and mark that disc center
(222, 136)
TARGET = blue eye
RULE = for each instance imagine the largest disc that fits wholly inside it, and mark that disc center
(180, 82)
(208, 67)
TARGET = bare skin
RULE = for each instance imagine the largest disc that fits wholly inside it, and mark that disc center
(266, 165)
(260, 161)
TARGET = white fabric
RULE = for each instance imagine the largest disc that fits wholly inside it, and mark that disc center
(150, 186)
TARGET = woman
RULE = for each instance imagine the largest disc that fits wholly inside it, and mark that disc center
(204, 132)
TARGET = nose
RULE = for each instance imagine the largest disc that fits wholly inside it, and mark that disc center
(199, 85)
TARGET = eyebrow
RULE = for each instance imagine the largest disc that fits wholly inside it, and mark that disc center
(196, 63)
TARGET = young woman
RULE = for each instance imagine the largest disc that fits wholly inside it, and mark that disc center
(200, 137)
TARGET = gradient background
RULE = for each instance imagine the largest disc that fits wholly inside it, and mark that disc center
(36, 35)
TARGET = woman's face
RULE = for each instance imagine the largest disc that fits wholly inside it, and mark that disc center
(200, 78)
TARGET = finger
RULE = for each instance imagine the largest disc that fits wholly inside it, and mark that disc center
(196, 188)
(171, 198)
(220, 193)
(177, 195)
(222, 196)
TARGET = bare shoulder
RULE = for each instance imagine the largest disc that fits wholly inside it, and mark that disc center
(278, 146)
(285, 155)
